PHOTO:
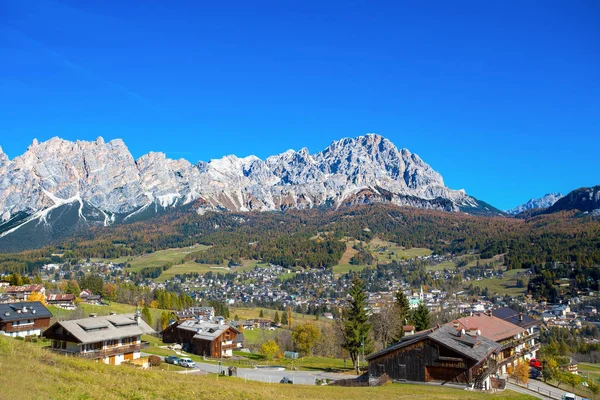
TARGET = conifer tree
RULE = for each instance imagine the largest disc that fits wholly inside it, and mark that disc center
(276, 318)
(284, 318)
(420, 317)
(356, 326)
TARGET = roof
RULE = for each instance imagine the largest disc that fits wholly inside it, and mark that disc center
(514, 317)
(204, 330)
(96, 329)
(26, 288)
(475, 348)
(61, 297)
(491, 327)
(23, 310)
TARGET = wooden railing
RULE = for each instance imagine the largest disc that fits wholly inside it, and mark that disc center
(516, 342)
(103, 352)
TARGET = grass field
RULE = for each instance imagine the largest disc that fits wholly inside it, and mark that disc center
(162, 257)
(589, 371)
(29, 372)
(449, 265)
(506, 285)
(194, 267)
(387, 252)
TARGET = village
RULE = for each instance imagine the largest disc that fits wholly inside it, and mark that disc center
(473, 340)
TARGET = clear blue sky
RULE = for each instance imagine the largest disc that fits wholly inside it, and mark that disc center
(501, 97)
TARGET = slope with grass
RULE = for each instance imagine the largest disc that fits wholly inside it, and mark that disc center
(30, 372)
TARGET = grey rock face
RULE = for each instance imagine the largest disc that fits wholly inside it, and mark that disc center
(105, 175)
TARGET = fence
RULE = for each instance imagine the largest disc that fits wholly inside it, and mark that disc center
(540, 390)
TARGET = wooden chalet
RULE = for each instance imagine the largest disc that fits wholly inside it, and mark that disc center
(443, 354)
(202, 338)
(24, 319)
(111, 339)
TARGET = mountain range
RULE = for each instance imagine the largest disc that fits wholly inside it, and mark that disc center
(58, 187)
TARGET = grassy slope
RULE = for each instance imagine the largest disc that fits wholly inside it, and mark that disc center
(47, 376)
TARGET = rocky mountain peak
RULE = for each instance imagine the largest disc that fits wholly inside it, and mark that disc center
(105, 176)
(543, 202)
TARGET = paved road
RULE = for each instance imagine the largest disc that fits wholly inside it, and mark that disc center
(269, 375)
(519, 389)
(545, 390)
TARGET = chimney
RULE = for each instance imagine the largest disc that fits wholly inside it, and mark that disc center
(521, 317)
(137, 317)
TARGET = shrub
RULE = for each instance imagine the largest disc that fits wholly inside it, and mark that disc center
(154, 361)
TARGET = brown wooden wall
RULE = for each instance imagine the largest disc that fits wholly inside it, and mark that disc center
(39, 323)
(420, 362)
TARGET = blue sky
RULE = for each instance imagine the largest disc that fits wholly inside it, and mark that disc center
(503, 99)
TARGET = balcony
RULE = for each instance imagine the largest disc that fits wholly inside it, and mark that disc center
(112, 351)
(519, 354)
(21, 328)
(232, 346)
(516, 342)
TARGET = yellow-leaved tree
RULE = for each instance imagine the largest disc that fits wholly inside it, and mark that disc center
(269, 349)
(37, 296)
(520, 372)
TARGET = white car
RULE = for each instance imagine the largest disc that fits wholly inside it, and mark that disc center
(187, 362)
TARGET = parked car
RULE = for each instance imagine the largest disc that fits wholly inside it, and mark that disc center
(534, 373)
(286, 380)
(535, 363)
(187, 362)
(569, 396)
(172, 360)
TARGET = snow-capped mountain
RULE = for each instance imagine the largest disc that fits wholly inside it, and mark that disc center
(106, 185)
(543, 202)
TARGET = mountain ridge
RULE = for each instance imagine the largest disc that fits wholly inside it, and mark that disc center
(105, 184)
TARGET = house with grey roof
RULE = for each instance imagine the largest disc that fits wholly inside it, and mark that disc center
(203, 338)
(112, 339)
(24, 319)
(442, 354)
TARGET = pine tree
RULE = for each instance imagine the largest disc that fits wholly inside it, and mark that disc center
(403, 310)
(420, 317)
(146, 316)
(356, 324)
(261, 314)
(284, 318)
(276, 318)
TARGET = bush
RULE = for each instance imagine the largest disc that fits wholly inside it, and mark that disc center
(154, 361)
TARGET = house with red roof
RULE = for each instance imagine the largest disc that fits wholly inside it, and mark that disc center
(516, 342)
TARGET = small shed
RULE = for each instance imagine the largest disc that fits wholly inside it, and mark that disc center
(292, 355)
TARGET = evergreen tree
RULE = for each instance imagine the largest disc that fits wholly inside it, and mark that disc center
(284, 318)
(146, 316)
(356, 324)
(261, 314)
(420, 317)
(276, 318)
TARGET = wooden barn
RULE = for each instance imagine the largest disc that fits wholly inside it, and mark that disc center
(202, 338)
(443, 354)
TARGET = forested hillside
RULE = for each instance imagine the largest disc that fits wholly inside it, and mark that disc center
(311, 238)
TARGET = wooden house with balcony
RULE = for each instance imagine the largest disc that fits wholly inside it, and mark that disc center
(24, 319)
(442, 354)
(203, 338)
(517, 342)
(111, 339)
